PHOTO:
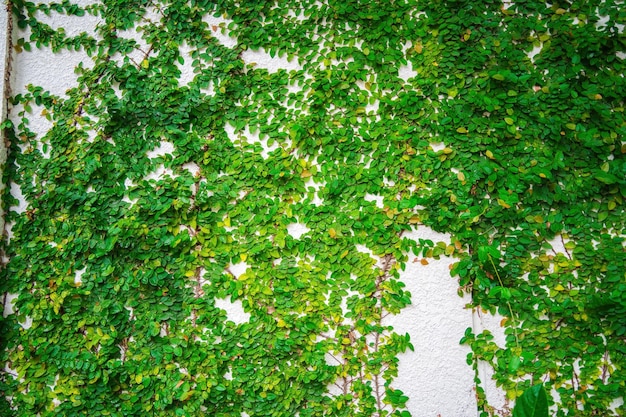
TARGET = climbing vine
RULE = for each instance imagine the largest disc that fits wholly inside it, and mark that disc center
(151, 200)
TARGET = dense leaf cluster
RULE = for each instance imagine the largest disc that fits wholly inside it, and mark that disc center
(509, 136)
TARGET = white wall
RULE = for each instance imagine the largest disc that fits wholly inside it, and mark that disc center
(435, 376)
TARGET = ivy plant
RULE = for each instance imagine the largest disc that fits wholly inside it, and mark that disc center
(508, 136)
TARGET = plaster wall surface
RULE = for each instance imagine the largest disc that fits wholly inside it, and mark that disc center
(435, 375)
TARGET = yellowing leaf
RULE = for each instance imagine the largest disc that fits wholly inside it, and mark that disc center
(243, 256)
(461, 130)
(187, 395)
(489, 154)
(461, 176)
(605, 167)
(145, 64)
(305, 174)
(503, 203)
(571, 126)
(559, 287)
(418, 47)
(332, 232)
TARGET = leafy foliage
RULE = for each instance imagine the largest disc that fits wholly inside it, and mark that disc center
(123, 250)
(532, 403)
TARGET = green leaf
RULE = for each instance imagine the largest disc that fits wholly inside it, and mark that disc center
(605, 177)
(488, 254)
(532, 403)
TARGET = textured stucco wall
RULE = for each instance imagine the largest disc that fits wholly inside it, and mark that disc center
(435, 376)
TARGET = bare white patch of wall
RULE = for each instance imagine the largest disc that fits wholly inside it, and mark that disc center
(9, 299)
(43, 66)
(186, 69)
(218, 26)
(406, 72)
(16, 192)
(296, 230)
(250, 138)
(164, 148)
(378, 199)
(434, 376)
(262, 59)
(234, 310)
(482, 320)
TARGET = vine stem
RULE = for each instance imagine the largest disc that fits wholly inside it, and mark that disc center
(566, 251)
(377, 384)
(513, 318)
(7, 56)
(605, 366)
(389, 261)
(575, 387)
